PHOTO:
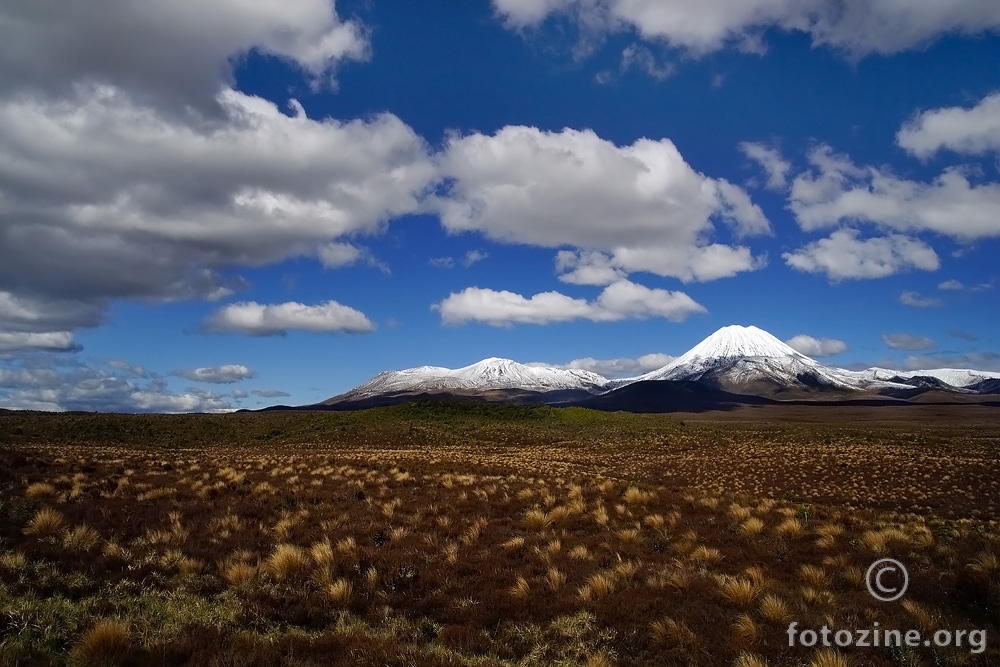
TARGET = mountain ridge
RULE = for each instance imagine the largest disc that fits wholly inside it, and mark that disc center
(735, 360)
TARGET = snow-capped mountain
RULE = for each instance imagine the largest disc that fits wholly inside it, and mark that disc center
(956, 377)
(737, 357)
(736, 360)
(488, 374)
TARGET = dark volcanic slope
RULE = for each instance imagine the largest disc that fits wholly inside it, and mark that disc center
(507, 396)
(666, 396)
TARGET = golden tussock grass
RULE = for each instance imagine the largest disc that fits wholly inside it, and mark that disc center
(598, 586)
(520, 589)
(287, 560)
(40, 490)
(741, 592)
(791, 528)
(745, 659)
(746, 634)
(555, 579)
(340, 591)
(829, 658)
(106, 643)
(239, 573)
(81, 538)
(773, 608)
(751, 527)
(670, 631)
(46, 522)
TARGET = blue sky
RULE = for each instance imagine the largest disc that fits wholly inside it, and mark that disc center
(270, 202)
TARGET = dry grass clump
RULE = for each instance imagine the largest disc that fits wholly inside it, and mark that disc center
(340, 591)
(40, 490)
(81, 538)
(635, 496)
(703, 555)
(926, 621)
(599, 586)
(745, 631)
(790, 528)
(286, 561)
(514, 544)
(985, 566)
(521, 589)
(828, 657)
(555, 579)
(816, 576)
(537, 519)
(105, 643)
(741, 592)
(46, 522)
(669, 631)
(239, 573)
(749, 660)
(773, 608)
(751, 527)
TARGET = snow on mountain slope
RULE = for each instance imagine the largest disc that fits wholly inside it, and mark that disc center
(737, 355)
(956, 377)
(493, 373)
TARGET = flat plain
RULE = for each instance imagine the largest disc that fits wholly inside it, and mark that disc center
(462, 534)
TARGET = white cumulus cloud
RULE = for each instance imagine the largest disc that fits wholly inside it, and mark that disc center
(619, 301)
(175, 51)
(225, 374)
(854, 27)
(904, 341)
(53, 341)
(972, 131)
(914, 300)
(255, 319)
(641, 205)
(843, 256)
(618, 367)
(770, 160)
(835, 191)
(816, 347)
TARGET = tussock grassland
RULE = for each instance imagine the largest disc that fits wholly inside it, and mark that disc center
(437, 534)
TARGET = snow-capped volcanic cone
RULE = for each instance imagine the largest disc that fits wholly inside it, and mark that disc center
(750, 360)
(487, 375)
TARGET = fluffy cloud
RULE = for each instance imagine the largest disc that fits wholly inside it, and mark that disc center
(616, 368)
(642, 205)
(618, 301)
(980, 361)
(82, 387)
(640, 57)
(586, 268)
(336, 255)
(176, 51)
(226, 374)
(816, 347)
(843, 255)
(474, 256)
(270, 393)
(255, 319)
(972, 131)
(913, 299)
(902, 341)
(857, 28)
(951, 285)
(836, 191)
(52, 341)
(103, 198)
(774, 165)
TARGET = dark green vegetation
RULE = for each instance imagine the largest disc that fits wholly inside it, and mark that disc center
(477, 534)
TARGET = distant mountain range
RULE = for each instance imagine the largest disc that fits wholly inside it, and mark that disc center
(735, 365)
